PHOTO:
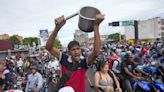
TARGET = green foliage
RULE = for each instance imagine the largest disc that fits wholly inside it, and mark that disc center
(35, 39)
(30, 40)
(15, 40)
(57, 44)
(115, 36)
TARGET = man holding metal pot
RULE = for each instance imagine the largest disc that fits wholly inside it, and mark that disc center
(74, 67)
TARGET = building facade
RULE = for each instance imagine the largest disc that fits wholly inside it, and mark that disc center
(4, 37)
(162, 29)
(80, 36)
(147, 29)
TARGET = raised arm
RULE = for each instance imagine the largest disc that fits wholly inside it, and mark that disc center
(50, 42)
(97, 42)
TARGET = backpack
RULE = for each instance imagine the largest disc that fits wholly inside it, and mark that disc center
(111, 60)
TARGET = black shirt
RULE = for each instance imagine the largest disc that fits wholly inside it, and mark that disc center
(1, 81)
(130, 68)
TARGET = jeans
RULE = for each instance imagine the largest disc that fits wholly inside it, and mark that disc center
(127, 85)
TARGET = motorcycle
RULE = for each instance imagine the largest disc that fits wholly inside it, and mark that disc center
(154, 83)
(147, 85)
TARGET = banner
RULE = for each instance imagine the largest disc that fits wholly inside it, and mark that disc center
(44, 34)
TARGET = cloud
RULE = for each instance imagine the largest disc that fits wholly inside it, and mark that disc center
(27, 17)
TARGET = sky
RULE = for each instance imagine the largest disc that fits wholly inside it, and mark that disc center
(27, 17)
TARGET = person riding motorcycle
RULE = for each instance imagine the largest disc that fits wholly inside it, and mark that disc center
(127, 67)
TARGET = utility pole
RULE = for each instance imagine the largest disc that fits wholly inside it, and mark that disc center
(120, 36)
(136, 31)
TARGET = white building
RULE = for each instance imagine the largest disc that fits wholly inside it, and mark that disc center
(80, 36)
(162, 28)
(129, 32)
(147, 29)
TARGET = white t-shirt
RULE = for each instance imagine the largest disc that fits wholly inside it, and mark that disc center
(115, 64)
(53, 64)
(20, 63)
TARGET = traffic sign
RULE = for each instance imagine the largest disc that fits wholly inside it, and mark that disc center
(127, 23)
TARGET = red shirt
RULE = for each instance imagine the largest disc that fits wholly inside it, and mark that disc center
(77, 77)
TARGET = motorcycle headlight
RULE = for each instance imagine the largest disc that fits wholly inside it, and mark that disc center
(144, 86)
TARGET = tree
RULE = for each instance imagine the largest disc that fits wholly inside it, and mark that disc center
(35, 39)
(30, 40)
(57, 44)
(15, 40)
(27, 41)
(115, 36)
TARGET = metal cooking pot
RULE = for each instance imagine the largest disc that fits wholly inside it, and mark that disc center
(87, 17)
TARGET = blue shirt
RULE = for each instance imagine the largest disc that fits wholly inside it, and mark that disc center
(33, 81)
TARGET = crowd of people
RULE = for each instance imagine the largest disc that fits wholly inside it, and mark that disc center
(115, 63)
(124, 58)
(55, 70)
(27, 72)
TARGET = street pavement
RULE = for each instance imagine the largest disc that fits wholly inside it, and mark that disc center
(90, 74)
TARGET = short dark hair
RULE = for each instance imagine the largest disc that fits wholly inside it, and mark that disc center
(34, 67)
(128, 55)
(72, 44)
